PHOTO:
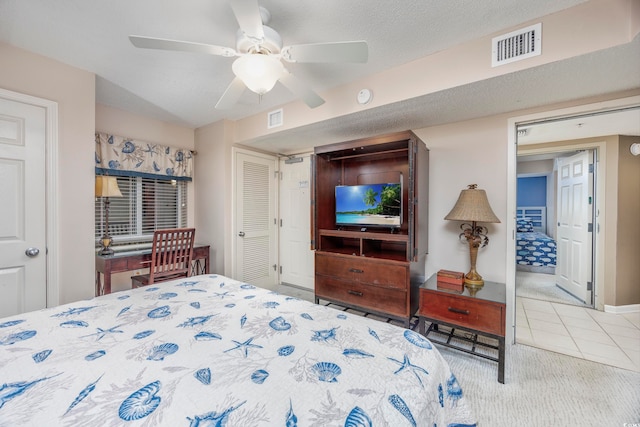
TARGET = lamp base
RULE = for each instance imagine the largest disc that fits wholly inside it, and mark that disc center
(473, 282)
(106, 246)
(106, 251)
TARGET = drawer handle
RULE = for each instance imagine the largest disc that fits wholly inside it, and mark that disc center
(356, 270)
(356, 293)
(457, 310)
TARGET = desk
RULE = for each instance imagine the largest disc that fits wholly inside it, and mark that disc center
(136, 260)
(482, 313)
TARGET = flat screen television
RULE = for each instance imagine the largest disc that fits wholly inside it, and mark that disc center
(370, 205)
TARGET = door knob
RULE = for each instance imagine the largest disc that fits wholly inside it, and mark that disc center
(31, 252)
(241, 234)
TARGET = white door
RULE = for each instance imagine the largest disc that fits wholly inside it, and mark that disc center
(23, 279)
(573, 271)
(296, 256)
(255, 238)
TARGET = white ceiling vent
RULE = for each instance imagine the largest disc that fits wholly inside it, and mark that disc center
(520, 44)
(274, 118)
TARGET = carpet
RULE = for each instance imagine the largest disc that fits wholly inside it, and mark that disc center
(543, 287)
(542, 388)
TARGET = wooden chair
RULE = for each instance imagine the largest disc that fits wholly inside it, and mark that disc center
(171, 255)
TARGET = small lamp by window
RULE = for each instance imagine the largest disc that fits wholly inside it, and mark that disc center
(473, 207)
(106, 187)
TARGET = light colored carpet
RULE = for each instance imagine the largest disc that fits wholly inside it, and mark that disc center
(546, 389)
(542, 388)
(543, 287)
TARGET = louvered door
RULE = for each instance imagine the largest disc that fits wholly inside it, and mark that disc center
(255, 229)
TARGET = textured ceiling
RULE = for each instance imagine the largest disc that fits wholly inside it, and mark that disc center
(610, 71)
(183, 87)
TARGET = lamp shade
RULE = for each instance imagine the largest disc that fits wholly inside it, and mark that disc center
(258, 72)
(107, 186)
(472, 205)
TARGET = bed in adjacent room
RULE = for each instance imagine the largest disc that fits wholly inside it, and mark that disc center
(212, 351)
(535, 250)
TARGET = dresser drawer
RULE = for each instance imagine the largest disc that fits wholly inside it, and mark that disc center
(376, 298)
(363, 270)
(482, 315)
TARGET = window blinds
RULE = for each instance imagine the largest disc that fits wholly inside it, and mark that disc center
(146, 205)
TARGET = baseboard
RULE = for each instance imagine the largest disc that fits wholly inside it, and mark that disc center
(622, 309)
(302, 288)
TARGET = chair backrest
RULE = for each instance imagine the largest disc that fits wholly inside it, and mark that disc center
(171, 253)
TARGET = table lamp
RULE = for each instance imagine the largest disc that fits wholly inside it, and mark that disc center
(473, 207)
(106, 187)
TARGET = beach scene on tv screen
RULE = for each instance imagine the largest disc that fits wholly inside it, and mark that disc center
(371, 205)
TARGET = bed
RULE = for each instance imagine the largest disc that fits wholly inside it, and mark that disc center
(535, 250)
(212, 351)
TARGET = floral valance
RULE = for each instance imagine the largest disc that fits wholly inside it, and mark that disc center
(119, 156)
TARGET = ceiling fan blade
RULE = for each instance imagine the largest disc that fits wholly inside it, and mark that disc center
(249, 19)
(352, 51)
(231, 95)
(182, 46)
(301, 90)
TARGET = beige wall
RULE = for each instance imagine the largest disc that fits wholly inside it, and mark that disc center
(463, 153)
(535, 167)
(74, 91)
(122, 123)
(214, 195)
(628, 238)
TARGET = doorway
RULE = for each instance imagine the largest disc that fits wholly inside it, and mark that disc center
(554, 261)
(579, 331)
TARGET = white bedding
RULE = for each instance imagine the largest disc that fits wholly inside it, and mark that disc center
(211, 351)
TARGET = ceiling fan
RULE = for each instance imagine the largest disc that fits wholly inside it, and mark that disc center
(260, 53)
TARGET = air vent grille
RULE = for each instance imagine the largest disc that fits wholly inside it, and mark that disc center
(517, 45)
(274, 119)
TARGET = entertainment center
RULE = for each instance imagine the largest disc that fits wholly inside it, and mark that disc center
(371, 243)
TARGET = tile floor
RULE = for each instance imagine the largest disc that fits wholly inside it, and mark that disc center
(611, 339)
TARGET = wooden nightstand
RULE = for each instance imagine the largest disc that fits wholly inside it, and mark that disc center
(481, 314)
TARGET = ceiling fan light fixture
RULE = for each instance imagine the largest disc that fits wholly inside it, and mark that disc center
(259, 72)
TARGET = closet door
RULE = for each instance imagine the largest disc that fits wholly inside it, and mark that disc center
(255, 218)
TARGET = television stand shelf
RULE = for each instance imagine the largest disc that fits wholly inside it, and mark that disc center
(365, 243)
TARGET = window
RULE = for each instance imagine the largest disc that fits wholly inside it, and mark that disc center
(146, 205)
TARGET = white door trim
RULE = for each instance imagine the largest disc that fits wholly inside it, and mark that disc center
(51, 174)
(510, 267)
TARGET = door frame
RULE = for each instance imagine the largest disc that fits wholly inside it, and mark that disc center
(51, 187)
(512, 129)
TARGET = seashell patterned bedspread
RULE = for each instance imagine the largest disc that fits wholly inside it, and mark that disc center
(212, 351)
